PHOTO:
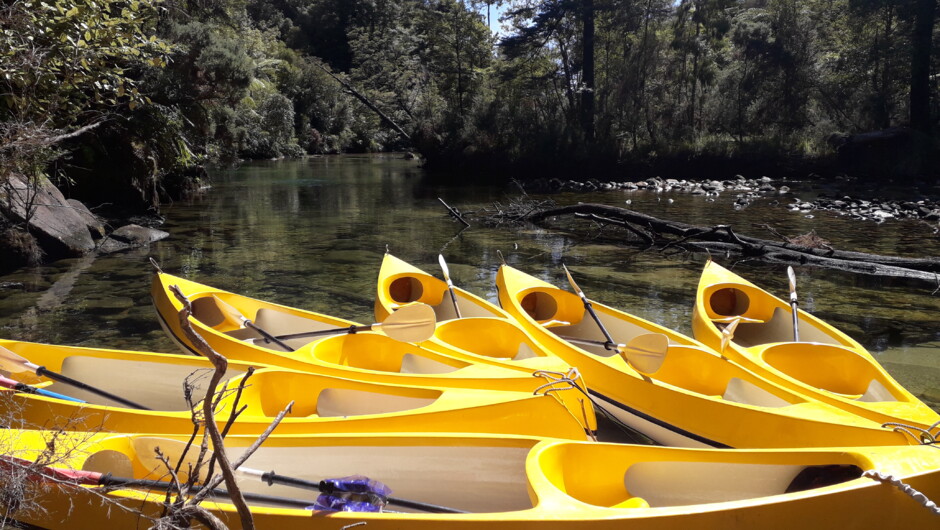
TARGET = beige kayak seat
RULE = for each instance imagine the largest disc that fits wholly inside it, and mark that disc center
(741, 391)
(155, 385)
(525, 352)
(342, 402)
(417, 364)
(778, 328)
(281, 323)
(876, 392)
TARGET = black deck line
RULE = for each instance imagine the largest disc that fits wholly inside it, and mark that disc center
(659, 422)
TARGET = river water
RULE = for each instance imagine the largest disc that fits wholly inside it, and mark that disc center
(311, 234)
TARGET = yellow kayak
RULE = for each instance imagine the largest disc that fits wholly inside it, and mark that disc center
(484, 333)
(826, 365)
(366, 355)
(696, 398)
(320, 403)
(507, 482)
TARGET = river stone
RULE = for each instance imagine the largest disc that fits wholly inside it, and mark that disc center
(130, 236)
(95, 226)
(136, 235)
(59, 228)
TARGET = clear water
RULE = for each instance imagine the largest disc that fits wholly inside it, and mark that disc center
(311, 234)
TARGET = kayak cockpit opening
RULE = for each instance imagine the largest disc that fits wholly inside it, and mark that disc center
(621, 476)
(834, 369)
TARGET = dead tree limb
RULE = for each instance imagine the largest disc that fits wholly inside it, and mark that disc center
(454, 213)
(365, 101)
(218, 443)
(723, 239)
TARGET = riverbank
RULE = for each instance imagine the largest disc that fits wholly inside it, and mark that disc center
(38, 224)
(843, 195)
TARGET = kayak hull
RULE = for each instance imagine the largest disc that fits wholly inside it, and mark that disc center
(826, 365)
(525, 483)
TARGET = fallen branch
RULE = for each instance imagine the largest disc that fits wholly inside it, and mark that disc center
(723, 239)
(454, 213)
(218, 443)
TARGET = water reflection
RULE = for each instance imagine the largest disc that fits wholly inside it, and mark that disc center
(311, 234)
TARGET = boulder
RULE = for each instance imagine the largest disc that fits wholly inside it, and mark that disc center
(95, 226)
(130, 236)
(60, 228)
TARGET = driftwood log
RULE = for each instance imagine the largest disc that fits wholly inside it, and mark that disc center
(654, 232)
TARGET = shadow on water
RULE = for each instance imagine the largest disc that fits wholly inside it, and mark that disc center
(311, 234)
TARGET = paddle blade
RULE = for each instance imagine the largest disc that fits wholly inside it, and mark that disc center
(571, 281)
(109, 461)
(646, 353)
(14, 363)
(440, 259)
(792, 276)
(174, 451)
(230, 312)
(727, 334)
(410, 323)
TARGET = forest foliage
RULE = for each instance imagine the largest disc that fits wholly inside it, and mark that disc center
(139, 94)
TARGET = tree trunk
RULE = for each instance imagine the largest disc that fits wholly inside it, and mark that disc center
(920, 65)
(587, 78)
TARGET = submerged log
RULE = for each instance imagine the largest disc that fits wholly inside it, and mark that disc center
(666, 234)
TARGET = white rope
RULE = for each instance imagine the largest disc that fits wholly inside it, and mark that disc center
(896, 482)
(925, 438)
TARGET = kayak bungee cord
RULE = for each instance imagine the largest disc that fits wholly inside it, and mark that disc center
(919, 497)
(555, 378)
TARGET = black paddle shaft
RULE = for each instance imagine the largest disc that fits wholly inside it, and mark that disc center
(108, 480)
(611, 344)
(267, 336)
(270, 478)
(43, 372)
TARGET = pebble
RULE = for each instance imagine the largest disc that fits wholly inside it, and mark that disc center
(749, 190)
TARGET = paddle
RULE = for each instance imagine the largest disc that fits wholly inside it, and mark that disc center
(793, 304)
(590, 309)
(727, 334)
(646, 353)
(6, 382)
(234, 314)
(12, 362)
(175, 450)
(94, 478)
(450, 285)
(410, 323)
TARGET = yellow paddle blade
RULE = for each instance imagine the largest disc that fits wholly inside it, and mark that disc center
(727, 334)
(230, 312)
(410, 323)
(11, 362)
(571, 281)
(146, 449)
(440, 259)
(109, 461)
(646, 353)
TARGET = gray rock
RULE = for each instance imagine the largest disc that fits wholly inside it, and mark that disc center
(60, 229)
(95, 226)
(136, 235)
(109, 246)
